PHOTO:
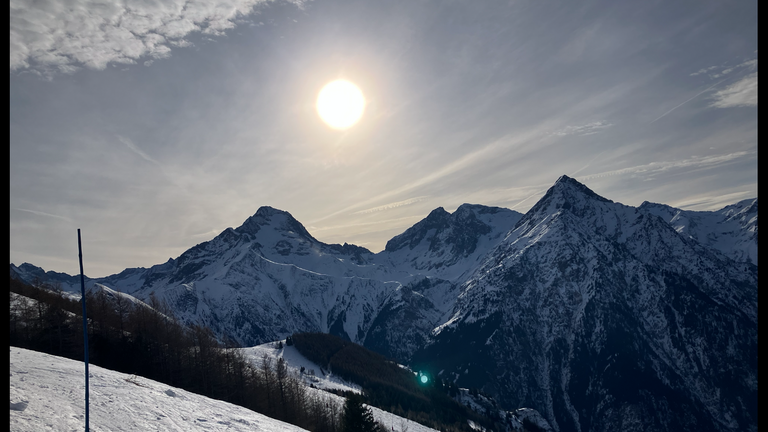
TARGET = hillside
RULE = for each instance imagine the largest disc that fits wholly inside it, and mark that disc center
(47, 393)
(278, 382)
(389, 385)
(396, 388)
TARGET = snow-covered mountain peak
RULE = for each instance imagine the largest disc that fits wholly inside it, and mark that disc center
(731, 230)
(437, 244)
(429, 229)
(565, 194)
(744, 211)
(278, 220)
(568, 196)
(460, 230)
(483, 213)
(571, 188)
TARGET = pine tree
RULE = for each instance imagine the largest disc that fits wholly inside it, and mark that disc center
(357, 417)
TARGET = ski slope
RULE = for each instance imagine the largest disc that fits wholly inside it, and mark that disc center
(47, 393)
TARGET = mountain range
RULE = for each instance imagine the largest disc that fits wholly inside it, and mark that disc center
(599, 315)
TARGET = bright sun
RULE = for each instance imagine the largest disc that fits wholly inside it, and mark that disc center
(340, 104)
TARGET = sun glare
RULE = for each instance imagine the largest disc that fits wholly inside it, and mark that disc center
(340, 104)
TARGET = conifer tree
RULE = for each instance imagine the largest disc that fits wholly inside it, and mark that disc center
(357, 417)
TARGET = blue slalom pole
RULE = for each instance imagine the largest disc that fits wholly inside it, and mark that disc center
(85, 325)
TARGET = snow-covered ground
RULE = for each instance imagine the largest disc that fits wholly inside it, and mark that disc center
(313, 374)
(323, 380)
(47, 393)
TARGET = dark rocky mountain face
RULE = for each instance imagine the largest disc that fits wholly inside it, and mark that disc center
(603, 318)
(599, 315)
(405, 321)
(436, 253)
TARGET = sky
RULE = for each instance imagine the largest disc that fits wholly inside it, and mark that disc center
(48, 393)
(154, 125)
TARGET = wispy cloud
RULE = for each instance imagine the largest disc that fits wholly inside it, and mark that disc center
(39, 213)
(715, 72)
(659, 167)
(585, 129)
(137, 150)
(377, 223)
(537, 192)
(712, 202)
(391, 205)
(451, 168)
(63, 35)
(471, 159)
(704, 70)
(742, 93)
(678, 106)
(207, 234)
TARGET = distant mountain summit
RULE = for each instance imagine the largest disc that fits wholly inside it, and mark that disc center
(731, 230)
(442, 241)
(599, 315)
(565, 194)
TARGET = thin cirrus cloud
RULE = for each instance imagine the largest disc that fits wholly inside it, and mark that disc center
(652, 168)
(391, 205)
(39, 213)
(715, 72)
(585, 129)
(57, 36)
(742, 93)
(137, 150)
(688, 100)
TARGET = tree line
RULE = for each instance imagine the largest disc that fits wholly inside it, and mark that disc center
(389, 386)
(146, 341)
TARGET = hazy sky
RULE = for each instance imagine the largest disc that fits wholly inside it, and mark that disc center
(154, 125)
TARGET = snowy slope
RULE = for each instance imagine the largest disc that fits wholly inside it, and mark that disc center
(322, 380)
(48, 393)
(313, 374)
(449, 245)
(247, 281)
(731, 230)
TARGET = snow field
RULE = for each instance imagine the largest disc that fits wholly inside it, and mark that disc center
(47, 393)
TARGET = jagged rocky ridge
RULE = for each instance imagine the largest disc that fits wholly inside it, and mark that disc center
(599, 315)
(604, 317)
